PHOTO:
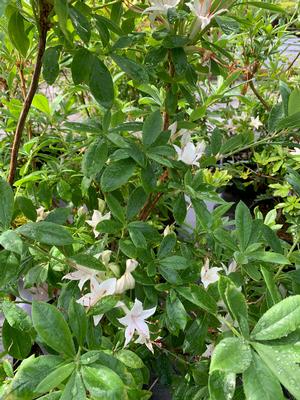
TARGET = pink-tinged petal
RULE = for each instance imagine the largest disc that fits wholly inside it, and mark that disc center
(86, 300)
(147, 313)
(178, 151)
(142, 327)
(82, 282)
(137, 308)
(129, 331)
(125, 320)
(107, 287)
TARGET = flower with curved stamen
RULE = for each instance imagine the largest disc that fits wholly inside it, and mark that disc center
(127, 281)
(134, 321)
(96, 218)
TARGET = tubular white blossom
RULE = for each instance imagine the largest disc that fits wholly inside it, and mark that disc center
(82, 274)
(127, 281)
(161, 6)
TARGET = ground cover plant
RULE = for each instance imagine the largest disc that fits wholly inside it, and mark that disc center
(149, 199)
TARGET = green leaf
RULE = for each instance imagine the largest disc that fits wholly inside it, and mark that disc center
(54, 378)
(10, 267)
(179, 209)
(115, 207)
(272, 239)
(41, 103)
(61, 9)
(95, 158)
(6, 204)
(17, 33)
(30, 373)
(78, 321)
(167, 245)
(17, 343)
(268, 256)
(294, 102)
(238, 307)
(117, 174)
(231, 355)
(50, 64)
(280, 320)
(152, 128)
(269, 279)
(136, 71)
(16, 316)
(286, 371)
(198, 296)
(135, 202)
(221, 385)
(259, 381)
(130, 359)
(52, 328)
(74, 389)
(290, 122)
(26, 206)
(46, 233)
(81, 24)
(195, 336)
(243, 222)
(103, 383)
(101, 84)
(11, 241)
(264, 5)
(177, 316)
(81, 66)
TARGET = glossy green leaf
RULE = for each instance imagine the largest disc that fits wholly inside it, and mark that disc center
(152, 128)
(243, 221)
(46, 233)
(117, 174)
(17, 34)
(136, 71)
(95, 158)
(259, 381)
(280, 320)
(231, 355)
(74, 389)
(6, 204)
(54, 378)
(101, 84)
(50, 64)
(52, 328)
(16, 316)
(17, 343)
(221, 385)
(81, 24)
(199, 297)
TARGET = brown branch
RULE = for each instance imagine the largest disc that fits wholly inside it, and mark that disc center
(45, 9)
(24, 94)
(260, 98)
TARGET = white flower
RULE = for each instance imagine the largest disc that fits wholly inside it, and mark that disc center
(202, 10)
(41, 214)
(161, 6)
(96, 218)
(189, 153)
(173, 128)
(83, 274)
(82, 210)
(295, 151)
(134, 320)
(209, 350)
(231, 267)
(105, 258)
(224, 326)
(167, 231)
(209, 275)
(255, 122)
(144, 340)
(98, 291)
(127, 281)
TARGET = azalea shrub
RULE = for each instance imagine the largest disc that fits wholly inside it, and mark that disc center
(149, 200)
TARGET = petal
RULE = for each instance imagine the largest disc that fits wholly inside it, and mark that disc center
(86, 300)
(107, 287)
(131, 265)
(137, 308)
(129, 331)
(142, 327)
(125, 320)
(147, 313)
(97, 319)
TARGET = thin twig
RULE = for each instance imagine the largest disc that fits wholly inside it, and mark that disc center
(45, 9)
(258, 95)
